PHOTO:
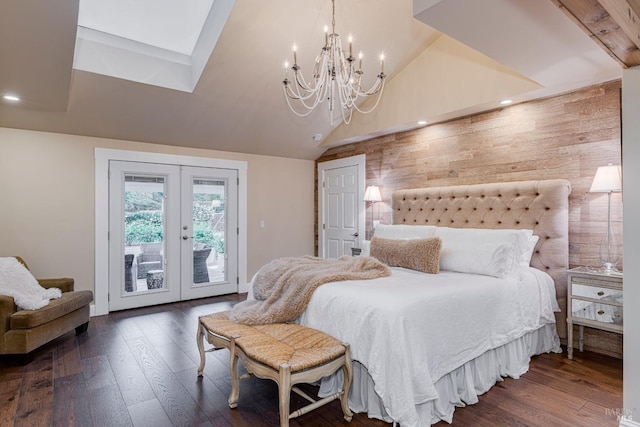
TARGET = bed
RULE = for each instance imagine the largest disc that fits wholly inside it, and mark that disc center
(421, 348)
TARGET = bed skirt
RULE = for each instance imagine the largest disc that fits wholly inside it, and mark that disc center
(458, 388)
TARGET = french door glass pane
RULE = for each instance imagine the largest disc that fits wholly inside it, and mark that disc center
(144, 229)
(209, 230)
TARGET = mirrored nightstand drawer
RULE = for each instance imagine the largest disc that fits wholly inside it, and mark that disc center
(604, 313)
(595, 292)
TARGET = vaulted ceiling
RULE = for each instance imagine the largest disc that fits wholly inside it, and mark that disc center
(444, 58)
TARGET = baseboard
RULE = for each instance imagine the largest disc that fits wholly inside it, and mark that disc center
(243, 288)
(92, 310)
(626, 422)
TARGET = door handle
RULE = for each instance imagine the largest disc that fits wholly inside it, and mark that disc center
(355, 234)
(185, 237)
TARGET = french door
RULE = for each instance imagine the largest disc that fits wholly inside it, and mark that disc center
(172, 233)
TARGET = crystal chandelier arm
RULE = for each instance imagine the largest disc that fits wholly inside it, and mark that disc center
(379, 91)
(375, 88)
(318, 78)
(291, 107)
(307, 100)
(309, 106)
(299, 82)
(303, 90)
(315, 95)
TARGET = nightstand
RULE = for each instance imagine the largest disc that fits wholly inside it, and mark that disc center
(594, 299)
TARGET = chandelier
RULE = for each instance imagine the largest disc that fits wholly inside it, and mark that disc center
(336, 79)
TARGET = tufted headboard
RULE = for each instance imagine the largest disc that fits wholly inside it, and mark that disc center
(541, 206)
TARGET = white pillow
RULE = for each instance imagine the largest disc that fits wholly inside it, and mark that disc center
(404, 232)
(488, 258)
(366, 248)
(526, 262)
(518, 244)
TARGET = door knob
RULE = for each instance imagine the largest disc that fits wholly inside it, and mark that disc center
(355, 234)
(185, 237)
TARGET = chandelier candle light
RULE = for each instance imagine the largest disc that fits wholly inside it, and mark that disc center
(336, 78)
(608, 179)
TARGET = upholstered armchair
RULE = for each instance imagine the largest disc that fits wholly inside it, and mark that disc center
(150, 258)
(23, 331)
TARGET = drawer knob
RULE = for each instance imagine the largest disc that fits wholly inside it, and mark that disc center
(600, 312)
(600, 293)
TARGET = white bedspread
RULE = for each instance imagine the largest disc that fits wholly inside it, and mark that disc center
(410, 329)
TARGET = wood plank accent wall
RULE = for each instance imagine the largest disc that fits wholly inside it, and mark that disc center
(566, 136)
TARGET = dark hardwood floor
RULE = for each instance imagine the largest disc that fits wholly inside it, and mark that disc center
(138, 367)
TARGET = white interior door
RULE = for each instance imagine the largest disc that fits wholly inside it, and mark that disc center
(173, 233)
(341, 207)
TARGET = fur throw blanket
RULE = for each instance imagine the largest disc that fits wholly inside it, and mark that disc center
(283, 288)
(17, 282)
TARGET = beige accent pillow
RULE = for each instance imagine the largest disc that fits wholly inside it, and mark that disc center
(415, 254)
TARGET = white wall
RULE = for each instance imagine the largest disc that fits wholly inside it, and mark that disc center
(47, 201)
(631, 211)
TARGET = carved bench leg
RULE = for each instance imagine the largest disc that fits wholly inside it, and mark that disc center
(346, 385)
(284, 391)
(233, 367)
(200, 340)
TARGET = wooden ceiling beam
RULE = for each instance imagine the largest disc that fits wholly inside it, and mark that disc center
(624, 13)
(604, 28)
(587, 15)
(635, 5)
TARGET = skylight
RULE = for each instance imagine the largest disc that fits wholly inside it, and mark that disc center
(167, 24)
(159, 42)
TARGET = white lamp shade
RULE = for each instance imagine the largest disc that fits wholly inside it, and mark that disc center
(608, 179)
(372, 194)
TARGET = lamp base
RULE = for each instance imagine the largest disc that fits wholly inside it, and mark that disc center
(608, 267)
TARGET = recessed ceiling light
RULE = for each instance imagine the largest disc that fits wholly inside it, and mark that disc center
(506, 102)
(422, 122)
(11, 97)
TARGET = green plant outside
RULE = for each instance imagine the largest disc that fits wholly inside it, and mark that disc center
(202, 233)
(146, 226)
(142, 227)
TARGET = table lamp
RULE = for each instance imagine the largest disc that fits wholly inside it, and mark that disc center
(372, 195)
(608, 179)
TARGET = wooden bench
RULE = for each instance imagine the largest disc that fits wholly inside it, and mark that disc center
(286, 353)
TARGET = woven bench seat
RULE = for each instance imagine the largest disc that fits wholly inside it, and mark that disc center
(286, 353)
